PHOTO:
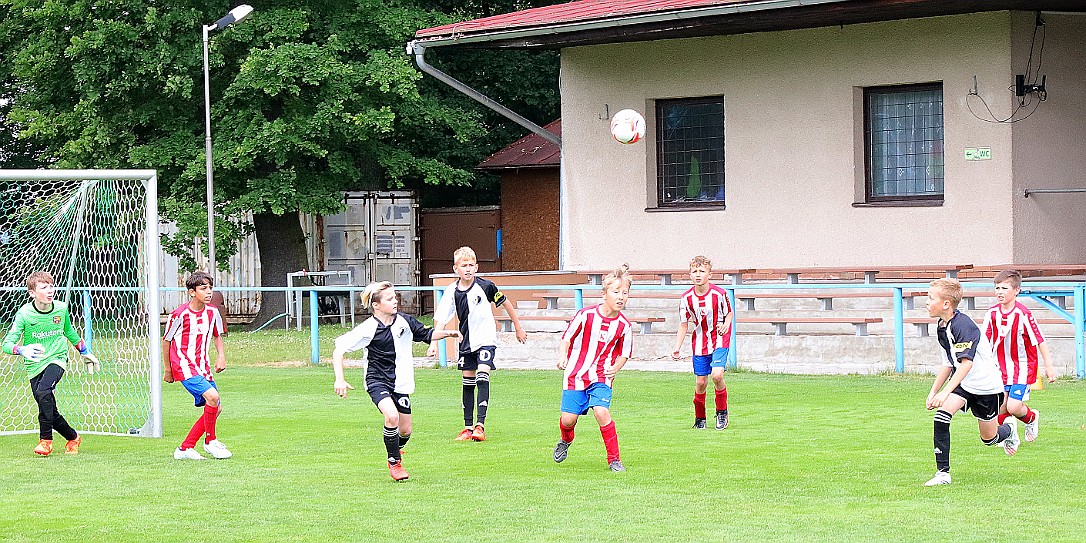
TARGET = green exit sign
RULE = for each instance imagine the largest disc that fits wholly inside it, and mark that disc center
(978, 153)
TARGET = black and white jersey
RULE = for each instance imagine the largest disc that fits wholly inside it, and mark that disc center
(960, 338)
(472, 308)
(389, 358)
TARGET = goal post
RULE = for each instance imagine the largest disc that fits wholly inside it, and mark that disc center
(96, 232)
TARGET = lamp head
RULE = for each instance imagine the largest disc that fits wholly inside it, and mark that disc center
(235, 15)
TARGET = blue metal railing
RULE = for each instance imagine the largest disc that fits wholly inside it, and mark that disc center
(1043, 292)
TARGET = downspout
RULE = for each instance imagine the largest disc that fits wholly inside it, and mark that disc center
(419, 50)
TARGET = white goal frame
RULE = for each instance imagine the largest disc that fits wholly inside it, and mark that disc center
(152, 288)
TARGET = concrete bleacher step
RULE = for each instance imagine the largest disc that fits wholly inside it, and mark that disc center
(799, 308)
(802, 354)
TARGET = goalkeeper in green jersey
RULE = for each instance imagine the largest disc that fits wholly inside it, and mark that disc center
(40, 334)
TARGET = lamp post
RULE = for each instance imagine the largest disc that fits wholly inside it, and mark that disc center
(235, 15)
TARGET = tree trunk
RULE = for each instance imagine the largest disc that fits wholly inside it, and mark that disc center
(282, 250)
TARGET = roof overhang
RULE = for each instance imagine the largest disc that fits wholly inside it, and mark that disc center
(722, 19)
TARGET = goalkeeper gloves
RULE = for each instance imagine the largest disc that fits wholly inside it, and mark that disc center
(31, 352)
(91, 361)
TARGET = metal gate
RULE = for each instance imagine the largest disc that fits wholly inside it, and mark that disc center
(444, 230)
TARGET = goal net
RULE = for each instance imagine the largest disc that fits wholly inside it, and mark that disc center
(96, 232)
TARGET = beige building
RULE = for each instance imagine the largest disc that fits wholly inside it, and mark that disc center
(843, 140)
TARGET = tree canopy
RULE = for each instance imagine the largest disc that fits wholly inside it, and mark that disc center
(309, 98)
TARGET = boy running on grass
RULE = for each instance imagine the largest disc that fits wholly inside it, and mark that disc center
(185, 349)
(390, 372)
(970, 373)
(469, 299)
(40, 334)
(706, 306)
(1016, 339)
(594, 348)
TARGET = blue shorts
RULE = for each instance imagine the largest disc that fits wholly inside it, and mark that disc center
(579, 402)
(704, 363)
(1018, 392)
(197, 385)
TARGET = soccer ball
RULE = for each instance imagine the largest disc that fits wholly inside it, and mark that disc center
(628, 126)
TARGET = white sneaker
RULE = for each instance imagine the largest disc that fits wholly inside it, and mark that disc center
(1010, 445)
(941, 478)
(1031, 427)
(216, 449)
(187, 454)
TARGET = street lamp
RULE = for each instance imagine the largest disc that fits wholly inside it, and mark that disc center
(235, 15)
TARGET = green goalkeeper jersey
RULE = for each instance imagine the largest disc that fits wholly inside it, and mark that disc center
(52, 329)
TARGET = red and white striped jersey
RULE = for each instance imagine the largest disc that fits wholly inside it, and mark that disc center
(190, 333)
(595, 342)
(706, 313)
(1014, 337)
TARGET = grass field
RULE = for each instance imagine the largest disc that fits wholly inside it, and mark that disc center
(805, 459)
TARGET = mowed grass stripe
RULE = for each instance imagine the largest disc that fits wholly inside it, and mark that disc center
(837, 458)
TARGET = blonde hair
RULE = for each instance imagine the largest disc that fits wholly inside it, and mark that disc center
(948, 289)
(373, 292)
(620, 273)
(463, 253)
(1014, 276)
(33, 279)
(699, 261)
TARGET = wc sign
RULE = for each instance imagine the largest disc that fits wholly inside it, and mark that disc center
(978, 153)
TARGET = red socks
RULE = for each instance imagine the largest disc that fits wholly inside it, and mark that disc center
(194, 434)
(211, 415)
(699, 405)
(721, 399)
(610, 441)
(204, 424)
(567, 433)
(1027, 418)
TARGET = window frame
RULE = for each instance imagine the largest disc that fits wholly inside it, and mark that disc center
(658, 109)
(898, 199)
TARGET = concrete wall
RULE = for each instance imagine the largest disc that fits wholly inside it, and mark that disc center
(794, 147)
(1048, 146)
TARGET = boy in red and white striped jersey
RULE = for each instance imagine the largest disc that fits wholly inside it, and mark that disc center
(594, 348)
(706, 306)
(1016, 339)
(185, 355)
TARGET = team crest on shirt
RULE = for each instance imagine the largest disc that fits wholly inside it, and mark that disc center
(56, 319)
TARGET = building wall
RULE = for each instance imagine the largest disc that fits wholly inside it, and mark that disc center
(530, 219)
(794, 150)
(1048, 146)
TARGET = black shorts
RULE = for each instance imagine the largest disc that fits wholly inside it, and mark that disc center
(471, 361)
(983, 406)
(380, 391)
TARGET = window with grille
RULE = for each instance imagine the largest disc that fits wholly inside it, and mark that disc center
(690, 151)
(903, 143)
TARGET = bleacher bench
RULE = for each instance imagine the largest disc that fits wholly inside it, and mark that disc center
(666, 277)
(550, 299)
(968, 298)
(870, 273)
(780, 324)
(507, 324)
(824, 298)
(922, 323)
